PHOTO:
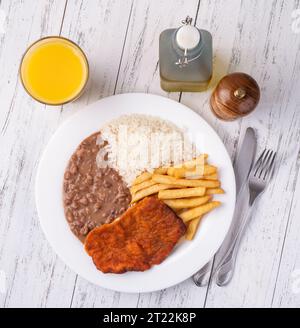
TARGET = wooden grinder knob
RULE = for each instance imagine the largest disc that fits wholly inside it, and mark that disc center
(236, 95)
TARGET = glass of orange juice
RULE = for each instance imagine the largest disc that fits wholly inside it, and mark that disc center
(54, 70)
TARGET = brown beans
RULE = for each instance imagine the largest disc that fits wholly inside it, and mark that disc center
(121, 210)
(83, 201)
(68, 201)
(80, 152)
(84, 231)
(120, 198)
(70, 216)
(82, 213)
(101, 196)
(69, 195)
(73, 169)
(97, 206)
(91, 225)
(92, 195)
(83, 187)
(107, 184)
(74, 206)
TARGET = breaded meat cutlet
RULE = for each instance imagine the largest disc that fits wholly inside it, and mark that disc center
(143, 236)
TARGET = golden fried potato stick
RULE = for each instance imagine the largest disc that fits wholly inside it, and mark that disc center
(161, 170)
(201, 171)
(200, 160)
(171, 170)
(141, 178)
(198, 211)
(192, 228)
(150, 191)
(212, 191)
(187, 202)
(196, 172)
(141, 186)
(210, 177)
(184, 182)
(181, 193)
(189, 165)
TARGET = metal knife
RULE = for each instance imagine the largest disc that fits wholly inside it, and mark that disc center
(245, 158)
(242, 168)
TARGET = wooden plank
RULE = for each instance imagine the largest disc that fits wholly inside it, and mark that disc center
(287, 289)
(266, 48)
(25, 256)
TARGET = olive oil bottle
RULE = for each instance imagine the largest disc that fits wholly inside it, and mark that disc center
(185, 58)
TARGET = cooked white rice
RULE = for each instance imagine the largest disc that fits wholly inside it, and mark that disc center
(137, 143)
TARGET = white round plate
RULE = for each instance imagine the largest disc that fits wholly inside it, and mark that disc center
(188, 256)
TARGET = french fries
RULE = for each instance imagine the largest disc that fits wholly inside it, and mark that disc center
(211, 177)
(141, 178)
(150, 191)
(171, 171)
(198, 211)
(181, 193)
(192, 228)
(159, 178)
(189, 165)
(187, 189)
(189, 173)
(187, 202)
(141, 186)
(212, 191)
(161, 170)
(197, 161)
(209, 183)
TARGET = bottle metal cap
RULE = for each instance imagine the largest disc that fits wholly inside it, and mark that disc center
(187, 37)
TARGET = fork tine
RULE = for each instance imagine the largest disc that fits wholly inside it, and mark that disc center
(265, 164)
(258, 162)
(270, 170)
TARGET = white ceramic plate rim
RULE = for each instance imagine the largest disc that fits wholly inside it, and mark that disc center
(187, 257)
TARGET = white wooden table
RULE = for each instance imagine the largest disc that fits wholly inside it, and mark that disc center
(261, 38)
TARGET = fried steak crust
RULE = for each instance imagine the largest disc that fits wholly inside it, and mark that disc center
(143, 236)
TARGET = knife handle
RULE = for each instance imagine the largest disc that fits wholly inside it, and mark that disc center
(201, 277)
(225, 272)
(225, 269)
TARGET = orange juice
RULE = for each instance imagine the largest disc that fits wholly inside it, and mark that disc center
(54, 70)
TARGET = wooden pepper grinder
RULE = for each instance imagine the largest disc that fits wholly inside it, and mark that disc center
(235, 96)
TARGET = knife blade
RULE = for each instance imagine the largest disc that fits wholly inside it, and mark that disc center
(243, 163)
(245, 158)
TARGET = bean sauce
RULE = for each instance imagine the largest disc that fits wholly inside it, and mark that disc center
(91, 195)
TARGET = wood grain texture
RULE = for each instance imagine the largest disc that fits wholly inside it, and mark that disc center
(121, 42)
(25, 256)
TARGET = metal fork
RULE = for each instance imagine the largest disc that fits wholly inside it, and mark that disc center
(259, 177)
